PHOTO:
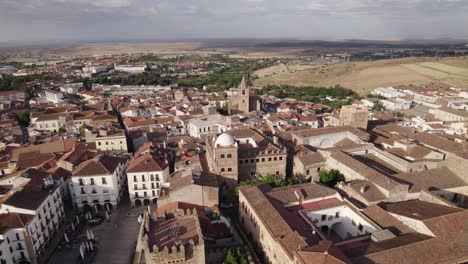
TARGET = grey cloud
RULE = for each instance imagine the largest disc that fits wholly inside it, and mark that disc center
(125, 19)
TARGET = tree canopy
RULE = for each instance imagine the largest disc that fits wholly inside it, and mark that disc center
(24, 119)
(331, 177)
(235, 256)
(311, 94)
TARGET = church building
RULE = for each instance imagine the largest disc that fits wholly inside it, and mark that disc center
(243, 101)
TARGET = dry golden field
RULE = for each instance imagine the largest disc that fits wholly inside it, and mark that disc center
(363, 77)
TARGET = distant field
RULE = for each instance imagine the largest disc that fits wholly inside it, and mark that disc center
(277, 69)
(363, 77)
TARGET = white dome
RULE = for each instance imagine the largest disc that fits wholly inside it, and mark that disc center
(225, 140)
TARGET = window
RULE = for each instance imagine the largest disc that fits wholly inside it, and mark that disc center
(324, 217)
(229, 169)
(263, 159)
(143, 177)
(222, 169)
(144, 194)
(104, 180)
(144, 186)
(307, 172)
(275, 158)
(135, 187)
(269, 159)
(135, 178)
(154, 193)
(241, 161)
(152, 177)
(82, 191)
(337, 214)
(92, 181)
(99, 143)
(152, 185)
(136, 195)
(222, 156)
(81, 182)
(252, 161)
(258, 160)
(17, 236)
(360, 227)
(229, 156)
(280, 158)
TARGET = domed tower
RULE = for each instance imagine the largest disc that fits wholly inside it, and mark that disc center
(225, 157)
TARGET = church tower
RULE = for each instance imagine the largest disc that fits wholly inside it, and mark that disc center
(244, 96)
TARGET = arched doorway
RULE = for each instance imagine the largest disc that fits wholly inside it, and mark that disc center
(336, 231)
(98, 207)
(137, 203)
(146, 202)
(155, 200)
(108, 207)
(87, 208)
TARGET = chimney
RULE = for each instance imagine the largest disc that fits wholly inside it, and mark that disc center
(299, 196)
(363, 189)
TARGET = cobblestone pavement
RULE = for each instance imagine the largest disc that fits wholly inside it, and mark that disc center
(116, 239)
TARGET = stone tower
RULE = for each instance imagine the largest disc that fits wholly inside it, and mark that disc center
(244, 96)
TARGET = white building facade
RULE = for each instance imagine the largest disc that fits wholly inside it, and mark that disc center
(98, 182)
(146, 175)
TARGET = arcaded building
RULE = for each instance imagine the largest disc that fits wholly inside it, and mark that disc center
(243, 153)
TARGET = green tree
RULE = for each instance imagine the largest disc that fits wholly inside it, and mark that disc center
(235, 256)
(377, 107)
(399, 115)
(331, 177)
(270, 179)
(24, 119)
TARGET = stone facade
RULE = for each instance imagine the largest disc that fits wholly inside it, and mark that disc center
(352, 115)
(241, 102)
(149, 247)
(250, 154)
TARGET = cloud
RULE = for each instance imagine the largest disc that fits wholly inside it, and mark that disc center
(117, 19)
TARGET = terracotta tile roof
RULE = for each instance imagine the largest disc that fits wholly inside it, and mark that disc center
(419, 210)
(147, 163)
(13, 220)
(439, 142)
(33, 159)
(100, 165)
(159, 232)
(309, 191)
(330, 130)
(285, 224)
(386, 220)
(370, 192)
(366, 171)
(58, 146)
(29, 199)
(433, 179)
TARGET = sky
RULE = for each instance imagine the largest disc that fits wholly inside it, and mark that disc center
(114, 20)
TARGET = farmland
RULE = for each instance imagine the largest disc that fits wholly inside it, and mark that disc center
(362, 77)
